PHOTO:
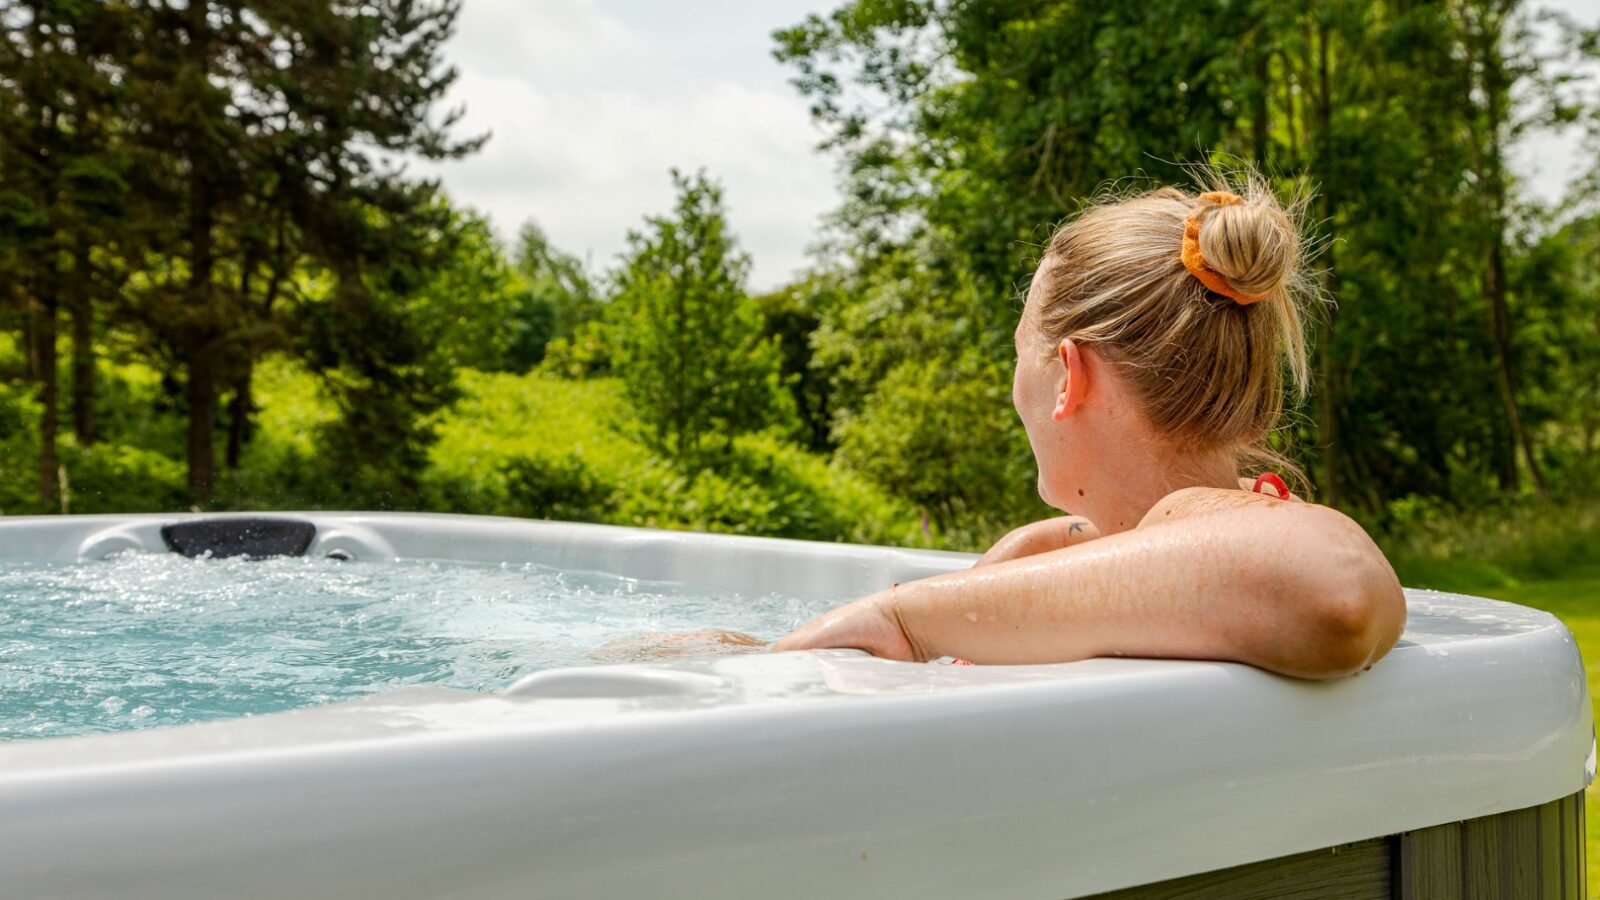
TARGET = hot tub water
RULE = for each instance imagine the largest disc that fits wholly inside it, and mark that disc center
(147, 639)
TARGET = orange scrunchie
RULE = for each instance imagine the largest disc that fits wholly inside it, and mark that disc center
(1196, 263)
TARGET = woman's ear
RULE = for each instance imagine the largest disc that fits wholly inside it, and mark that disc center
(1074, 383)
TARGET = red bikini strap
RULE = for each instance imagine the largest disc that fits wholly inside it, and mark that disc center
(1272, 478)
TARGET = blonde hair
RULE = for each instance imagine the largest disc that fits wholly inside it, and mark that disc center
(1209, 369)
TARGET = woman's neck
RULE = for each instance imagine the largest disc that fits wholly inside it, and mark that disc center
(1133, 482)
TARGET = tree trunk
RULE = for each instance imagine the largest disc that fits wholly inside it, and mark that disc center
(198, 343)
(1291, 115)
(199, 348)
(239, 410)
(1327, 383)
(82, 350)
(44, 333)
(30, 343)
(202, 395)
(239, 403)
(1494, 286)
(1258, 118)
(1494, 277)
(680, 425)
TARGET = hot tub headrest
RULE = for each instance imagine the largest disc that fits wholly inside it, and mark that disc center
(253, 537)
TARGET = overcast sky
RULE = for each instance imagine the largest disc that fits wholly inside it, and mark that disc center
(591, 102)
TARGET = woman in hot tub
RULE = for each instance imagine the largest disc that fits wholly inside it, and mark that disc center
(1151, 359)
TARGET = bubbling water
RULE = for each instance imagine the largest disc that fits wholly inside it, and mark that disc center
(141, 640)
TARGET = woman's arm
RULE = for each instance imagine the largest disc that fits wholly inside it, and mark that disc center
(1039, 537)
(1290, 587)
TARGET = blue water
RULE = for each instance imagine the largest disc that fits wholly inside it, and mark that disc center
(142, 640)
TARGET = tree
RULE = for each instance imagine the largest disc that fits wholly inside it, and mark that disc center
(561, 296)
(690, 344)
(264, 131)
(967, 129)
(793, 314)
(473, 306)
(61, 191)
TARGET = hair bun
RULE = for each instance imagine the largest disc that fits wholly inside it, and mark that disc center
(1247, 240)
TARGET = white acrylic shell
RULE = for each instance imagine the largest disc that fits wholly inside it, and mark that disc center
(785, 775)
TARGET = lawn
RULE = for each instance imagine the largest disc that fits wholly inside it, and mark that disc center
(1575, 599)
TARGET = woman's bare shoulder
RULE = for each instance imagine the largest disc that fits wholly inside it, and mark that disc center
(1187, 503)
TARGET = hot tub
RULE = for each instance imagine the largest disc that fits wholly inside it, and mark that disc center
(1454, 768)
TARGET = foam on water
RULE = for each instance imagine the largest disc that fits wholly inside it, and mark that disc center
(141, 640)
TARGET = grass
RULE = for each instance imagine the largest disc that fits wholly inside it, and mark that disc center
(1538, 554)
(1574, 598)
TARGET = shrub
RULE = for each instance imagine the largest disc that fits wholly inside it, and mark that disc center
(534, 445)
(1433, 545)
(563, 488)
(118, 478)
(765, 485)
(586, 354)
(947, 440)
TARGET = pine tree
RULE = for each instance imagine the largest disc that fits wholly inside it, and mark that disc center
(690, 344)
(62, 192)
(265, 130)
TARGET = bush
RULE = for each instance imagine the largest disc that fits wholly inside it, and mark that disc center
(118, 478)
(765, 485)
(1436, 546)
(947, 439)
(586, 354)
(281, 467)
(518, 445)
(564, 489)
(19, 450)
(534, 445)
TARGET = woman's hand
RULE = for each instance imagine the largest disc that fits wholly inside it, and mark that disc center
(871, 624)
(669, 644)
(1040, 537)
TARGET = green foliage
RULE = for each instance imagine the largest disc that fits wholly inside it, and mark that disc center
(561, 297)
(183, 168)
(1436, 546)
(137, 406)
(688, 341)
(919, 391)
(139, 470)
(117, 478)
(1557, 283)
(793, 315)
(507, 428)
(19, 412)
(563, 489)
(767, 486)
(387, 384)
(474, 307)
(19, 449)
(586, 353)
(282, 467)
(539, 446)
(962, 457)
(237, 262)
(967, 129)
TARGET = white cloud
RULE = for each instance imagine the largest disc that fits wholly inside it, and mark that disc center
(589, 115)
(1547, 160)
(526, 40)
